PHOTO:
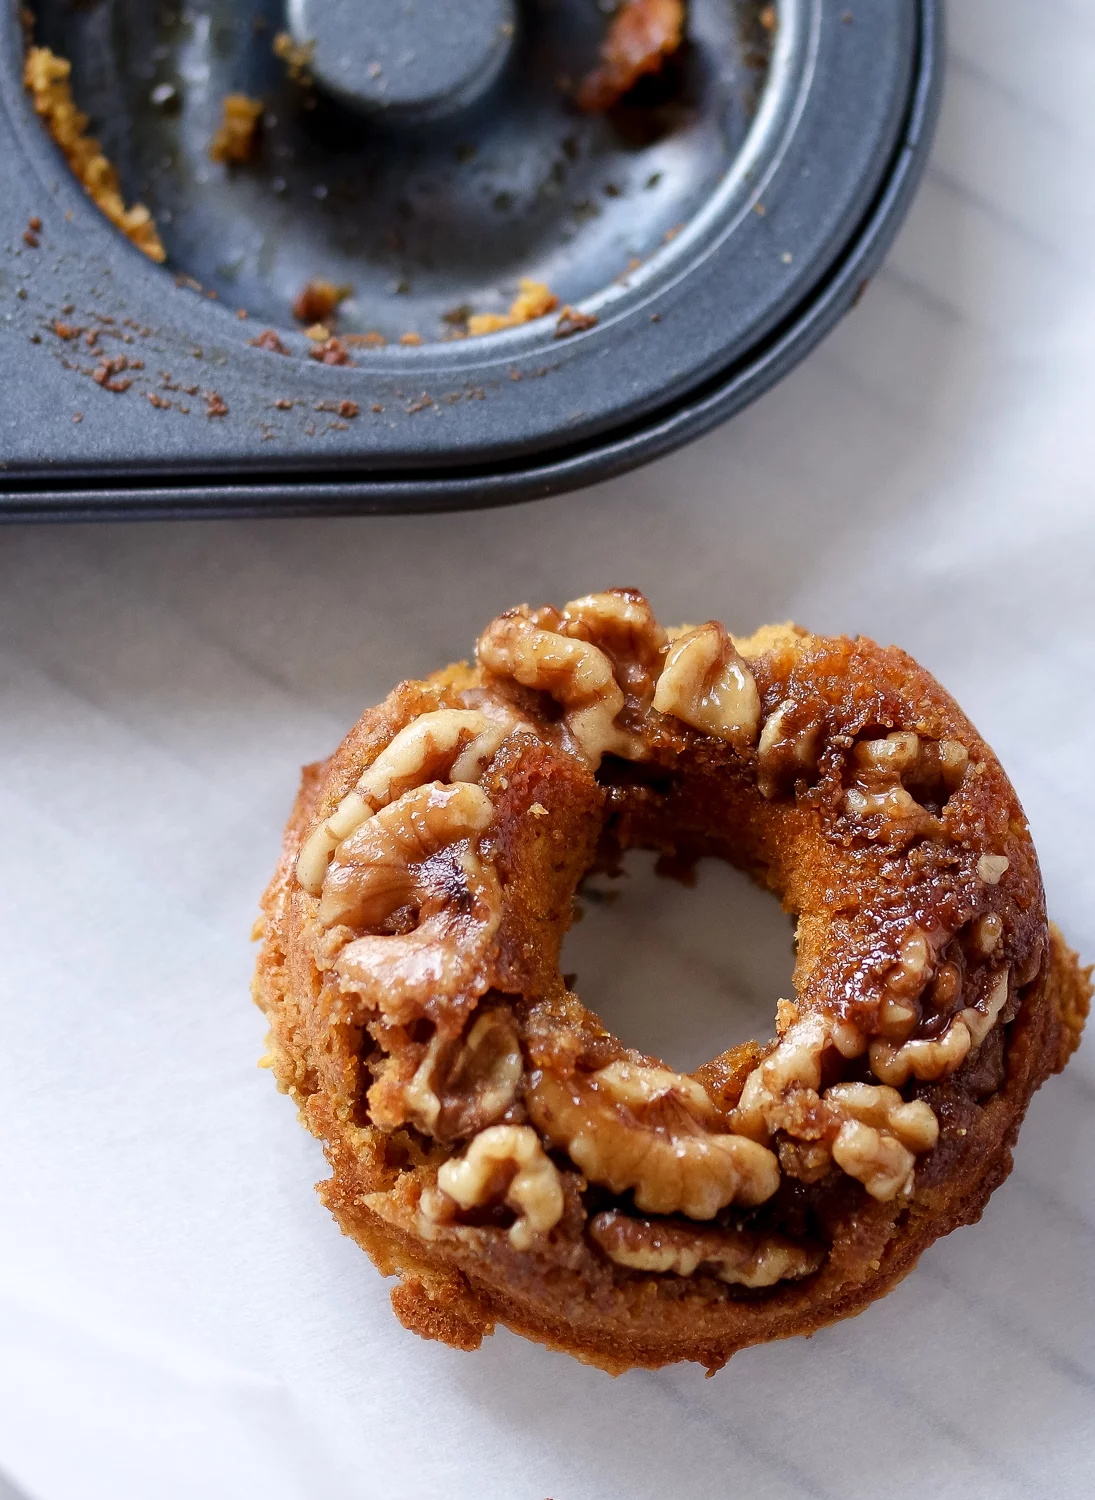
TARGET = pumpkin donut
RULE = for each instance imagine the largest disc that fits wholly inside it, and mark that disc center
(509, 1158)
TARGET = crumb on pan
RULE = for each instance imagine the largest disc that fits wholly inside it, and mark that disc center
(297, 57)
(534, 300)
(642, 35)
(237, 137)
(46, 77)
(318, 301)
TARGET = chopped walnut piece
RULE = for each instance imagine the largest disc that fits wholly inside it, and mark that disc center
(910, 973)
(373, 871)
(781, 755)
(654, 1132)
(576, 674)
(914, 1124)
(926, 1058)
(896, 753)
(707, 684)
(794, 1064)
(929, 1058)
(642, 35)
(880, 1136)
(879, 1161)
(986, 933)
(991, 868)
(462, 1087)
(892, 804)
(450, 743)
(980, 1022)
(237, 138)
(887, 768)
(506, 1163)
(739, 1256)
(458, 900)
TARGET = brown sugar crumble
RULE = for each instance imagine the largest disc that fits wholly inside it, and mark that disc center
(643, 34)
(237, 138)
(215, 405)
(46, 78)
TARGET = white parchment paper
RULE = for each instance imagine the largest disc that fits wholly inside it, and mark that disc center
(179, 1317)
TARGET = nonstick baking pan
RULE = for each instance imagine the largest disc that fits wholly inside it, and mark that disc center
(701, 238)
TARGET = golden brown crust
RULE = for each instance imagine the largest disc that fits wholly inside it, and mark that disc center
(927, 980)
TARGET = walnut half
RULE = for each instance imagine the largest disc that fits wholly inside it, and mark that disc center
(740, 1256)
(656, 1133)
(451, 744)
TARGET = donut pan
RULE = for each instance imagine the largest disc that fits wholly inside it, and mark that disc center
(707, 232)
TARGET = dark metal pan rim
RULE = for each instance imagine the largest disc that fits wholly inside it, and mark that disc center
(334, 494)
(244, 483)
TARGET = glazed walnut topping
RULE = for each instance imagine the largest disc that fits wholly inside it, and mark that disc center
(450, 744)
(506, 1164)
(575, 673)
(656, 1133)
(376, 869)
(895, 776)
(417, 853)
(706, 683)
(783, 753)
(461, 1087)
(738, 1256)
(622, 625)
(928, 1058)
(795, 1065)
(880, 1136)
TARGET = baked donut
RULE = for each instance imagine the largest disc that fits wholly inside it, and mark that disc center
(513, 1161)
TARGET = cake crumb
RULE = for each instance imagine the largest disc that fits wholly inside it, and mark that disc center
(46, 78)
(237, 138)
(534, 300)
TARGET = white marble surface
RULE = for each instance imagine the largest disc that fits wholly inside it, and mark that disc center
(178, 1315)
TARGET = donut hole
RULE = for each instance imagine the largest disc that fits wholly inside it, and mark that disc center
(679, 971)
